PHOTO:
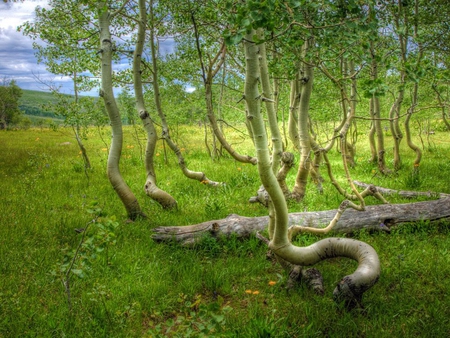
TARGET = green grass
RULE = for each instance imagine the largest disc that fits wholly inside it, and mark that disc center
(139, 288)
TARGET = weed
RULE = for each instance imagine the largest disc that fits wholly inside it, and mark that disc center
(195, 318)
(413, 180)
(131, 286)
(79, 261)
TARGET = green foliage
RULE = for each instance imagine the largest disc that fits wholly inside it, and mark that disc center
(10, 94)
(195, 319)
(413, 181)
(134, 287)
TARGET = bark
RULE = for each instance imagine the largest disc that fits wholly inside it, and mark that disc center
(349, 105)
(376, 115)
(372, 144)
(294, 102)
(394, 114)
(151, 188)
(269, 100)
(403, 193)
(374, 218)
(115, 177)
(195, 175)
(351, 288)
(298, 192)
(208, 74)
(409, 140)
(441, 103)
(218, 133)
(76, 129)
(315, 165)
(87, 163)
(287, 163)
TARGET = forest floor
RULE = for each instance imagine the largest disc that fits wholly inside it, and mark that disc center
(123, 284)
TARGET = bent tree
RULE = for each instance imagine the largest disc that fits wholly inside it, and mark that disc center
(151, 188)
(106, 92)
(351, 288)
(73, 30)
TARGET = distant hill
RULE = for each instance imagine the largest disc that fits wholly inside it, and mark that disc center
(32, 102)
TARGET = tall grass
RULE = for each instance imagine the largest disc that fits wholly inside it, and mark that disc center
(141, 288)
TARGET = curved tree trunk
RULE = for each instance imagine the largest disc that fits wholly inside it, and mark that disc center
(372, 132)
(87, 163)
(350, 288)
(76, 129)
(394, 115)
(409, 140)
(444, 114)
(208, 74)
(151, 188)
(195, 175)
(218, 133)
(376, 114)
(118, 183)
(298, 192)
(294, 100)
(269, 99)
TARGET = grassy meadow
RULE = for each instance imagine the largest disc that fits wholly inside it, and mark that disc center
(125, 285)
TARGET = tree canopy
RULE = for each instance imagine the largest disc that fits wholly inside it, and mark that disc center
(10, 94)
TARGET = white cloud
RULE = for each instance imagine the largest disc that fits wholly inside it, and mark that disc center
(17, 60)
(13, 14)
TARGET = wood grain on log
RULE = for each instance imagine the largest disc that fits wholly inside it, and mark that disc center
(375, 217)
(403, 193)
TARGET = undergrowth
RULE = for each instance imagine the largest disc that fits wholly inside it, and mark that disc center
(123, 284)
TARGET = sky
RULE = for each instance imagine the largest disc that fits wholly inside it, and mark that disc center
(17, 60)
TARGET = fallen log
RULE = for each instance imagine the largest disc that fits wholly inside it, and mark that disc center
(376, 217)
(403, 193)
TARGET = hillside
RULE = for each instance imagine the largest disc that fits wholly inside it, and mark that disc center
(32, 102)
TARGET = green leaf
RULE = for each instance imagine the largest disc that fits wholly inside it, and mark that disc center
(78, 272)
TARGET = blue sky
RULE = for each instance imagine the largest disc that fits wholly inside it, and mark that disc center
(17, 60)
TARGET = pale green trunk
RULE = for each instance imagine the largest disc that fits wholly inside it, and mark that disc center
(294, 100)
(218, 133)
(199, 176)
(409, 140)
(372, 132)
(151, 188)
(208, 73)
(269, 100)
(375, 104)
(394, 115)
(350, 288)
(122, 189)
(415, 95)
(306, 79)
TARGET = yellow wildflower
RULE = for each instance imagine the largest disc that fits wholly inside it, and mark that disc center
(248, 291)
(157, 154)
(255, 292)
(272, 283)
